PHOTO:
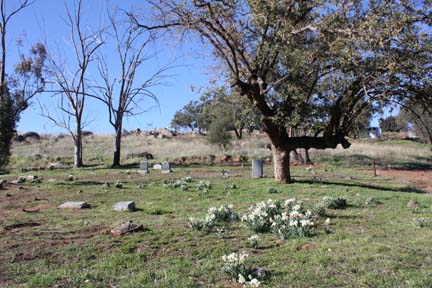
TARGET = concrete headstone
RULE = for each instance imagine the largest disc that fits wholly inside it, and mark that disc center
(257, 168)
(74, 205)
(157, 166)
(124, 206)
(166, 167)
(144, 167)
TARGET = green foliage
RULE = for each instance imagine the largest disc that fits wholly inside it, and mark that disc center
(422, 222)
(7, 125)
(333, 202)
(393, 124)
(218, 132)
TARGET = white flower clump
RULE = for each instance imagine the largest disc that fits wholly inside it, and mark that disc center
(204, 186)
(182, 183)
(252, 241)
(252, 283)
(261, 214)
(224, 213)
(291, 219)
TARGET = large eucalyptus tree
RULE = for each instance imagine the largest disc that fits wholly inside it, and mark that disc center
(322, 63)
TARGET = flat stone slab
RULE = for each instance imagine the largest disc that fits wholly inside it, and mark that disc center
(124, 206)
(157, 166)
(74, 205)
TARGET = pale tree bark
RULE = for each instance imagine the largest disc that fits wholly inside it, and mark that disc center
(71, 80)
(123, 95)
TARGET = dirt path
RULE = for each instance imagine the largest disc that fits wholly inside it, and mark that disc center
(422, 179)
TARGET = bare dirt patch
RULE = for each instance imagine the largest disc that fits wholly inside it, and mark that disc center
(422, 179)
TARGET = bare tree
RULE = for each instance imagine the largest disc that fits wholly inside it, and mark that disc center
(124, 94)
(71, 81)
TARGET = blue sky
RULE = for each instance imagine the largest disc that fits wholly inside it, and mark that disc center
(46, 17)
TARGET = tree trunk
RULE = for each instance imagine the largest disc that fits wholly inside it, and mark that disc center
(307, 157)
(117, 146)
(78, 162)
(239, 133)
(281, 160)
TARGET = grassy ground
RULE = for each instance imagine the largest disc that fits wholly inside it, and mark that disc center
(97, 151)
(367, 245)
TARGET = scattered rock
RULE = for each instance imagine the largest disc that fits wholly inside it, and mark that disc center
(31, 135)
(327, 222)
(126, 228)
(306, 246)
(259, 273)
(55, 165)
(74, 205)
(124, 206)
(412, 204)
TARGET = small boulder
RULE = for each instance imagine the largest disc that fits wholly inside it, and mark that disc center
(157, 166)
(412, 204)
(74, 205)
(124, 206)
(126, 228)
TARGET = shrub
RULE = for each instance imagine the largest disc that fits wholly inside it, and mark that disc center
(319, 211)
(334, 202)
(272, 190)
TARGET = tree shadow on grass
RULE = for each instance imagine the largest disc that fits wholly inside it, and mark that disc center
(361, 185)
(413, 166)
(79, 183)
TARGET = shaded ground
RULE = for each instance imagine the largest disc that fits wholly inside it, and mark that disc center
(421, 179)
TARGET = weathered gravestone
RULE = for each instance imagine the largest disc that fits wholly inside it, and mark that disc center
(124, 206)
(166, 167)
(257, 168)
(144, 167)
(74, 205)
(157, 166)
